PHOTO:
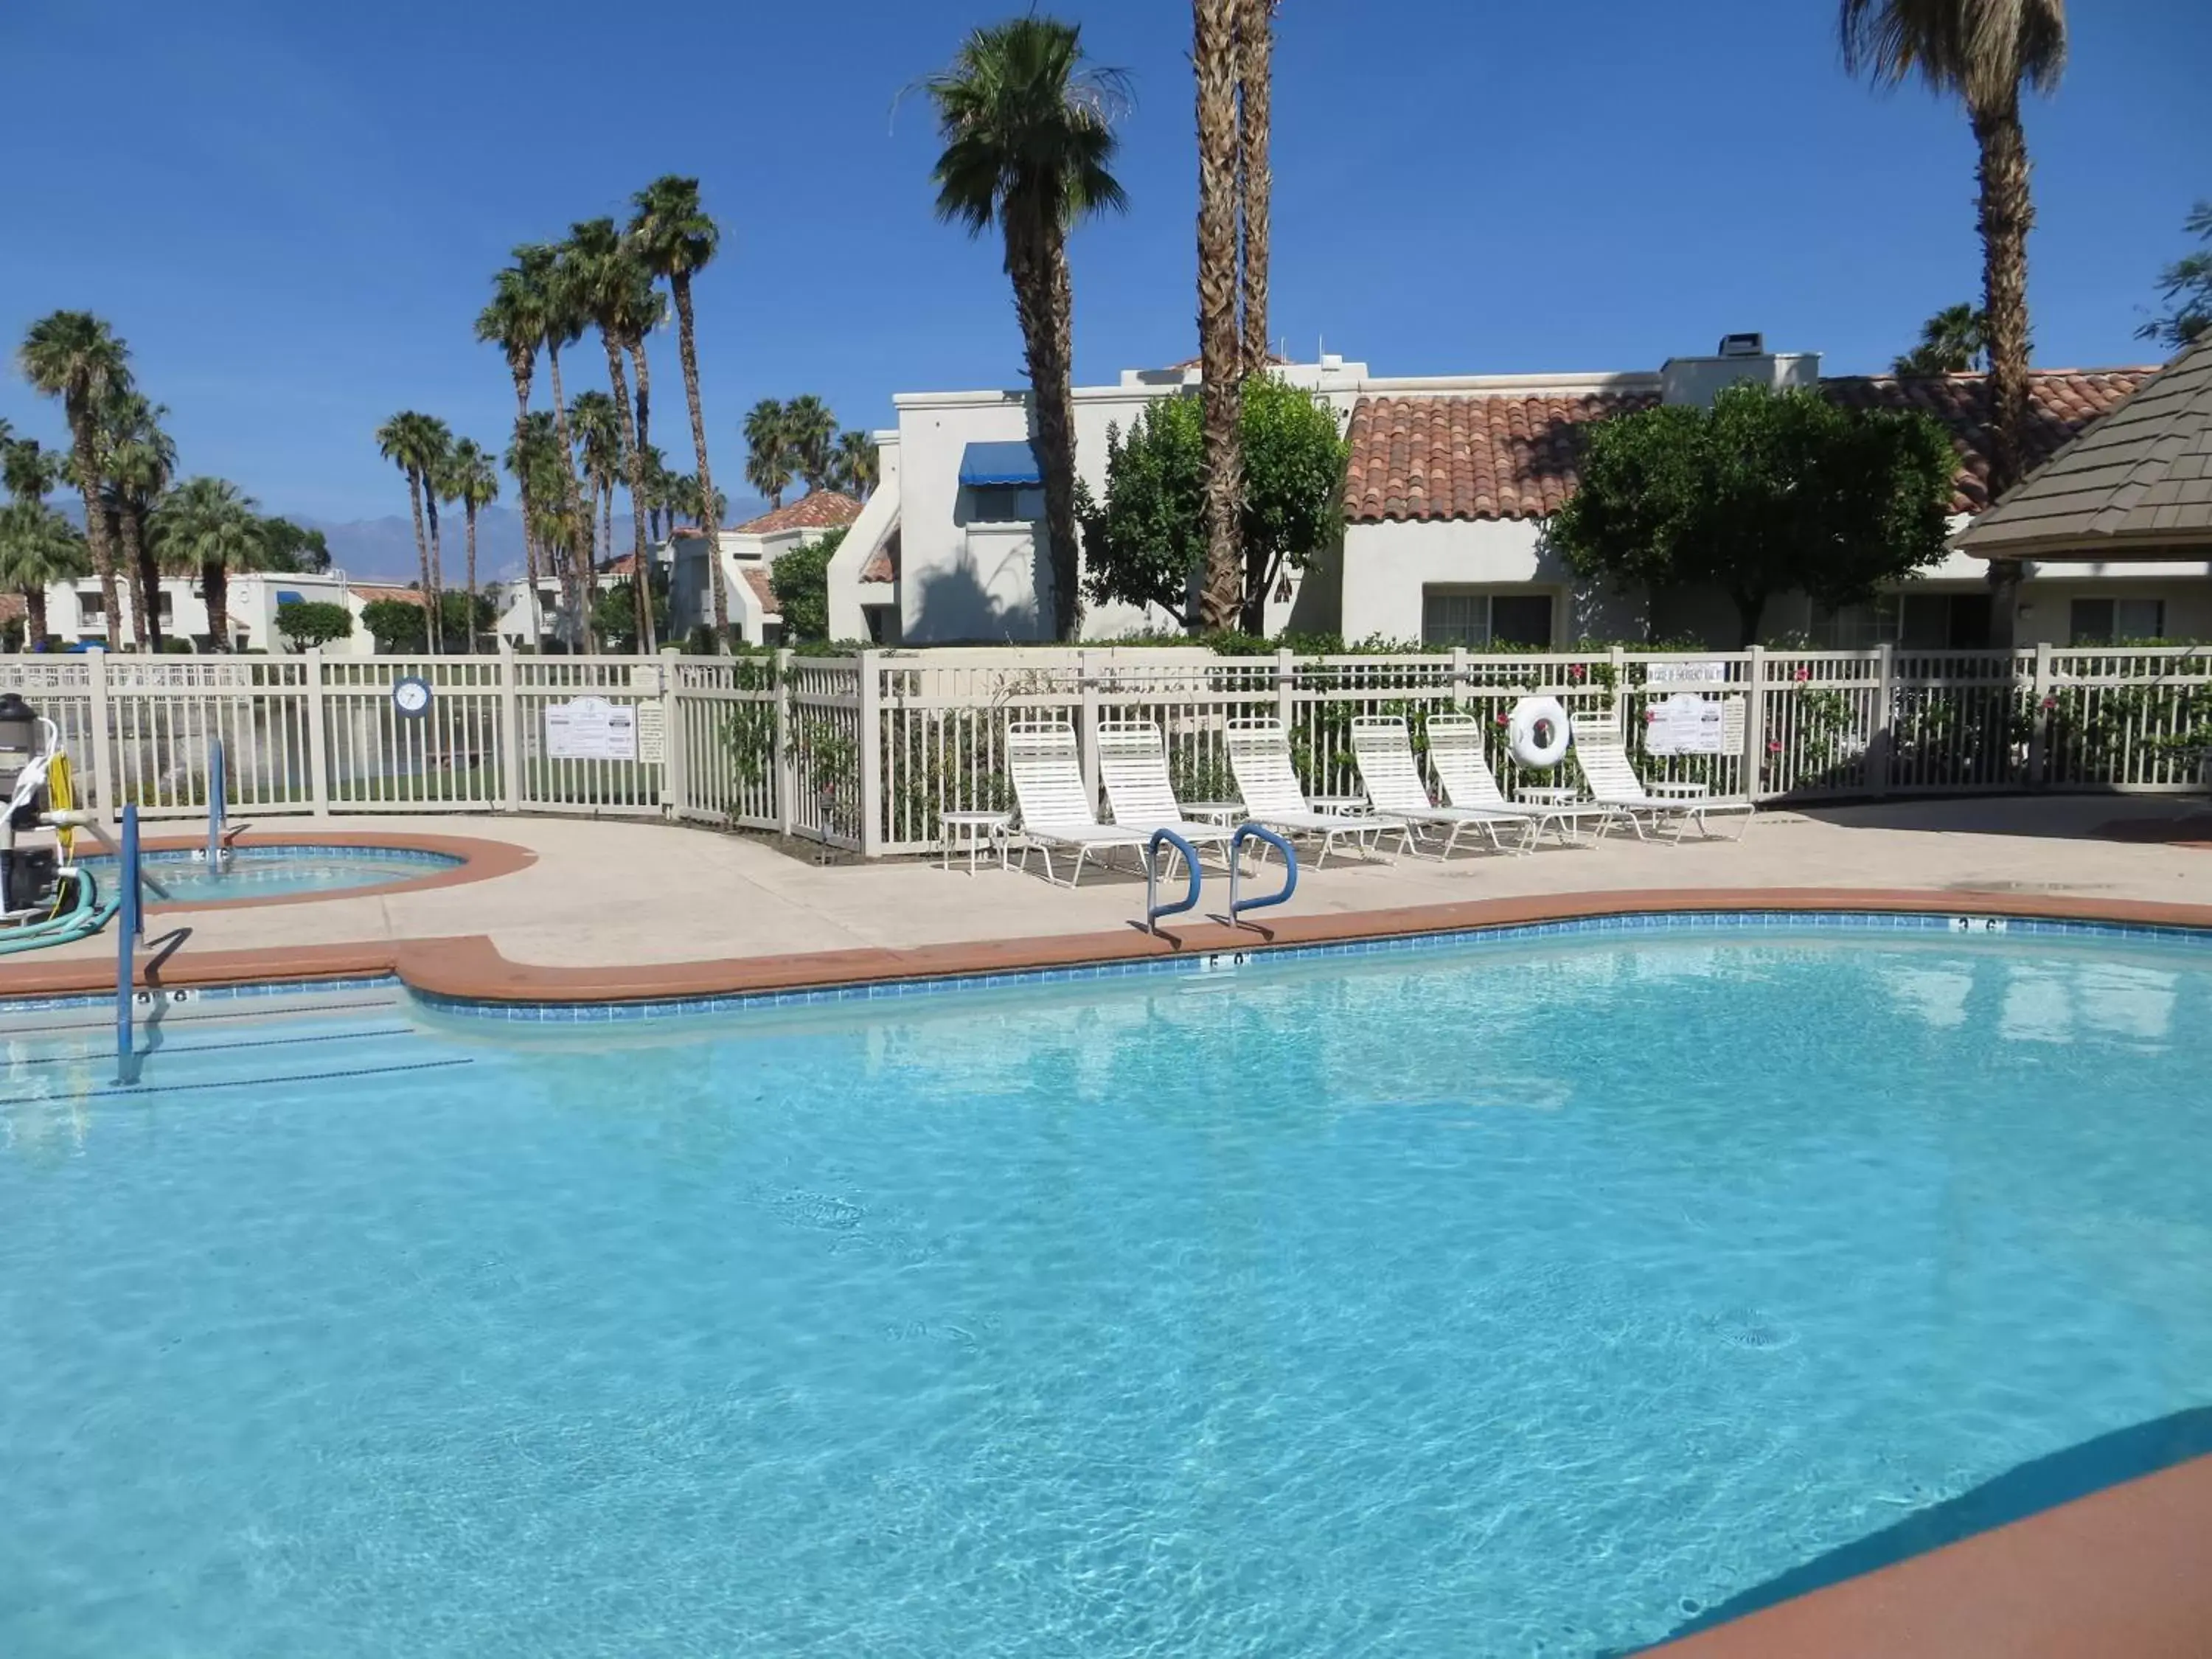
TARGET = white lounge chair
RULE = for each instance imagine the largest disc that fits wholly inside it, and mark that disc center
(1260, 755)
(1457, 754)
(1603, 758)
(1053, 801)
(1385, 755)
(1132, 764)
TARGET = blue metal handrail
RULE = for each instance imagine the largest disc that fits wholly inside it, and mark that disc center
(129, 923)
(1153, 909)
(1259, 832)
(217, 788)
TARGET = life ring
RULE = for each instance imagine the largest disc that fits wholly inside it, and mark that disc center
(1536, 731)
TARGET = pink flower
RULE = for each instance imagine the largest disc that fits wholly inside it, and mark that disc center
(1505, 720)
(1803, 673)
(2050, 703)
(1773, 746)
(1576, 671)
(1650, 715)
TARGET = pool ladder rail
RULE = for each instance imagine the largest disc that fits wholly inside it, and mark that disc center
(1237, 905)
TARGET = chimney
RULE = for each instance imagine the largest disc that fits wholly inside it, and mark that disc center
(1697, 380)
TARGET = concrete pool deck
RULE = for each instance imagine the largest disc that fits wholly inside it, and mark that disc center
(565, 909)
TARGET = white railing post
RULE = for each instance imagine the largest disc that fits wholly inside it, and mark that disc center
(782, 771)
(1287, 680)
(1754, 723)
(675, 760)
(1616, 657)
(1882, 740)
(510, 729)
(1459, 677)
(871, 757)
(318, 756)
(104, 767)
(2039, 730)
(1086, 680)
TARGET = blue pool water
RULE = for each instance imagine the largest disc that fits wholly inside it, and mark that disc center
(279, 871)
(1497, 1301)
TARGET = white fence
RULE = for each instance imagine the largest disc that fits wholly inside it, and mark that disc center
(867, 751)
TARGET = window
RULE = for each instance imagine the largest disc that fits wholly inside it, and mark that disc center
(1943, 622)
(1006, 503)
(2109, 622)
(1480, 621)
(92, 606)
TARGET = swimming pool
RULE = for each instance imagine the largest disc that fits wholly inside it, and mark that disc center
(1500, 1299)
(279, 870)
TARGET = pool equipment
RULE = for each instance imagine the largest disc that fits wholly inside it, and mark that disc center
(1536, 731)
(1267, 838)
(1153, 909)
(45, 898)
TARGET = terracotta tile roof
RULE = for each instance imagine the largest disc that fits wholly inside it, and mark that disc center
(818, 509)
(369, 595)
(883, 565)
(757, 579)
(13, 606)
(1514, 456)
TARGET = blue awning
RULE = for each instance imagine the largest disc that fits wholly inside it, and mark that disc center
(1000, 464)
(286, 596)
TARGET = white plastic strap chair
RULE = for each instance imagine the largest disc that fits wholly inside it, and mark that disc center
(1385, 755)
(1053, 800)
(1457, 754)
(1132, 764)
(1604, 765)
(1260, 756)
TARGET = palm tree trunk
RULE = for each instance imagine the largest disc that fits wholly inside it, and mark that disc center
(214, 587)
(644, 372)
(469, 507)
(579, 576)
(1036, 260)
(644, 640)
(2007, 211)
(436, 617)
(421, 548)
(35, 614)
(1213, 56)
(139, 547)
(1255, 179)
(95, 522)
(133, 571)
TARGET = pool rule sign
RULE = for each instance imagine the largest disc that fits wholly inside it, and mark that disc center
(591, 728)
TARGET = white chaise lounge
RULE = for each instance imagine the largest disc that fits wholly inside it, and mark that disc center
(1385, 755)
(1132, 764)
(1054, 802)
(1603, 758)
(1458, 755)
(1260, 756)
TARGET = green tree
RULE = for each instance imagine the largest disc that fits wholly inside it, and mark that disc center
(29, 472)
(616, 292)
(597, 426)
(767, 450)
(800, 582)
(305, 623)
(38, 548)
(75, 356)
(1220, 345)
(1146, 544)
(2186, 287)
(471, 479)
(290, 548)
(1027, 126)
(614, 615)
(209, 524)
(809, 436)
(675, 239)
(417, 444)
(1979, 52)
(1954, 341)
(1764, 493)
(856, 466)
(397, 626)
(137, 459)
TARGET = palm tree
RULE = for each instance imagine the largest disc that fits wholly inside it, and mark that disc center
(617, 292)
(676, 240)
(470, 479)
(37, 548)
(591, 417)
(209, 524)
(1027, 125)
(855, 467)
(1255, 51)
(75, 356)
(657, 480)
(768, 451)
(554, 275)
(1952, 341)
(417, 445)
(29, 472)
(1980, 51)
(1220, 349)
(810, 434)
(531, 459)
(139, 459)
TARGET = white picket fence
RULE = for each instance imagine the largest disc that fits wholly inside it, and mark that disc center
(868, 750)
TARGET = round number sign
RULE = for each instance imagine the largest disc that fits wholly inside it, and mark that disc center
(410, 695)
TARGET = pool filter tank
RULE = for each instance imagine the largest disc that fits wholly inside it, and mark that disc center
(27, 874)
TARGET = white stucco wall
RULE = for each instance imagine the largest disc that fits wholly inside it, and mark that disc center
(251, 601)
(1388, 567)
(850, 598)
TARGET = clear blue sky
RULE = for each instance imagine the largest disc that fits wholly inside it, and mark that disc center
(292, 211)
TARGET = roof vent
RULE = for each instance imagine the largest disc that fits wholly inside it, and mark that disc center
(1743, 345)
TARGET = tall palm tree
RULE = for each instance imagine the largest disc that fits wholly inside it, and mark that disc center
(531, 459)
(855, 467)
(139, 459)
(1255, 179)
(471, 479)
(767, 450)
(1952, 341)
(676, 240)
(75, 356)
(1027, 125)
(810, 432)
(556, 275)
(28, 471)
(1979, 52)
(617, 294)
(417, 444)
(37, 548)
(1220, 347)
(593, 418)
(211, 525)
